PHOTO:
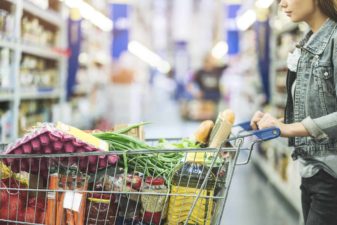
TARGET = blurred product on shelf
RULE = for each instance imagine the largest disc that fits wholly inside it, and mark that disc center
(198, 109)
(37, 73)
(35, 31)
(285, 43)
(123, 76)
(6, 125)
(6, 80)
(6, 23)
(34, 111)
(3, 15)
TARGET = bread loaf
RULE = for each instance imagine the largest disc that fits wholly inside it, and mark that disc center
(222, 128)
(203, 131)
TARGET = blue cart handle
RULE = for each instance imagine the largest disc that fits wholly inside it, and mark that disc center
(263, 134)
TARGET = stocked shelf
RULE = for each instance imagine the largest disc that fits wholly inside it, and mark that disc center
(48, 94)
(44, 14)
(287, 28)
(44, 52)
(5, 97)
(32, 46)
(10, 1)
(7, 44)
(281, 65)
(286, 190)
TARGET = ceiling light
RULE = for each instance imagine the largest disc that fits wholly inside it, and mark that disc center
(245, 20)
(91, 14)
(149, 57)
(220, 50)
(264, 4)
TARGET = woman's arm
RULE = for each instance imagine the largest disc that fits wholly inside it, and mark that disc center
(287, 130)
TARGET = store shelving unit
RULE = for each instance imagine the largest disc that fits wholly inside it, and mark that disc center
(278, 167)
(36, 33)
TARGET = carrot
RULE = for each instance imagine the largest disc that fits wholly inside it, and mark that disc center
(51, 200)
(70, 217)
(60, 210)
(79, 216)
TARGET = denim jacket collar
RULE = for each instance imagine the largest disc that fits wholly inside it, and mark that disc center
(318, 42)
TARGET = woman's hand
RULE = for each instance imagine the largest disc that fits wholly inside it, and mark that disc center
(269, 121)
(256, 119)
(262, 120)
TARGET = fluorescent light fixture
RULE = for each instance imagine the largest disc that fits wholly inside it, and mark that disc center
(149, 57)
(246, 19)
(91, 14)
(219, 50)
(264, 4)
(83, 58)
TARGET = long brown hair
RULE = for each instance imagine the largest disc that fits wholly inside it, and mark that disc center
(329, 8)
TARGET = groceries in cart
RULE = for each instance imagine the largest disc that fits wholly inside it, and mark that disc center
(57, 175)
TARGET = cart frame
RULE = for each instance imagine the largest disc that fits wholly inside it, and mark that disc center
(236, 141)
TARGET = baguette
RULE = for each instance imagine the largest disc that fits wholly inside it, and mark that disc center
(222, 128)
(203, 132)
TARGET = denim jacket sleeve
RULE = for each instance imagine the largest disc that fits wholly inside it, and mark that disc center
(323, 127)
(326, 126)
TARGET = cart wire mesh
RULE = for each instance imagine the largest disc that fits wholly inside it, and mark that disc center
(79, 188)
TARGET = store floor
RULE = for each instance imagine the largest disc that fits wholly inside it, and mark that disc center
(252, 200)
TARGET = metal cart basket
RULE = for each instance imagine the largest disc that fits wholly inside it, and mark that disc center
(79, 188)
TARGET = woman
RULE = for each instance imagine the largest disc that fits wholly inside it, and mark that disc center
(310, 120)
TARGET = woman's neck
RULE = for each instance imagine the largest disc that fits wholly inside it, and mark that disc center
(316, 21)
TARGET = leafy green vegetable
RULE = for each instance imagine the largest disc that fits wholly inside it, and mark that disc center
(127, 129)
(156, 164)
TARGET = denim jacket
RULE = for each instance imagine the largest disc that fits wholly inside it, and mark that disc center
(315, 102)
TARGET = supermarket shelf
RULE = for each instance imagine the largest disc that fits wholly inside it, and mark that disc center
(6, 97)
(283, 188)
(287, 28)
(281, 65)
(44, 52)
(280, 100)
(11, 1)
(46, 15)
(7, 44)
(52, 94)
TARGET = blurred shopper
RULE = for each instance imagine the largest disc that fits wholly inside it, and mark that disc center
(310, 120)
(205, 90)
(207, 79)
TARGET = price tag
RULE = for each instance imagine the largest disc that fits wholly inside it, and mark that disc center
(72, 200)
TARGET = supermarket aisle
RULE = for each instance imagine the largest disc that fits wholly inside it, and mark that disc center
(252, 200)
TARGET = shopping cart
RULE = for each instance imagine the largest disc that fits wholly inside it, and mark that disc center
(75, 189)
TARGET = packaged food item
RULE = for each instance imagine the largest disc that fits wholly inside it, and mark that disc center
(187, 180)
(49, 138)
(101, 208)
(153, 206)
(18, 204)
(222, 128)
(129, 203)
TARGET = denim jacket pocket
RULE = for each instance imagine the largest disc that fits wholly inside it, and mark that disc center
(324, 88)
(323, 76)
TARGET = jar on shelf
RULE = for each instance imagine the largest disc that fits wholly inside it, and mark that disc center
(154, 206)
